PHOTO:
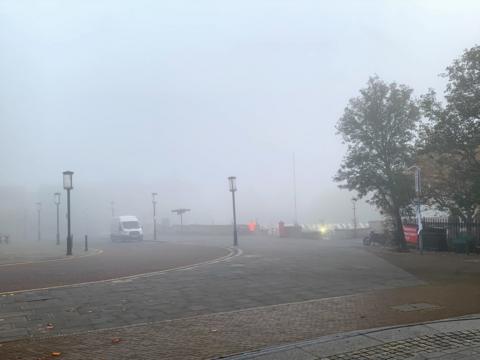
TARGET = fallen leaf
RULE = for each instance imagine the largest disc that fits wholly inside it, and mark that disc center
(56, 353)
(116, 340)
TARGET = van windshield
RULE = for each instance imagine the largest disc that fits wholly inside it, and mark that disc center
(130, 225)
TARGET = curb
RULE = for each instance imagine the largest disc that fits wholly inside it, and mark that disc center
(336, 337)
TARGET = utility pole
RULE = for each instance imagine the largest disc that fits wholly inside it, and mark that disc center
(295, 191)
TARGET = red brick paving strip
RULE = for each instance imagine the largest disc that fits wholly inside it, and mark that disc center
(213, 335)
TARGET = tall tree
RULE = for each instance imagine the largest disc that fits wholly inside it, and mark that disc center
(450, 140)
(379, 129)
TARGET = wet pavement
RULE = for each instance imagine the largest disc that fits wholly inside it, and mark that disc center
(35, 251)
(104, 261)
(272, 291)
(268, 272)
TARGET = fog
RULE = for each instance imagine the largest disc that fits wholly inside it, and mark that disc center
(174, 97)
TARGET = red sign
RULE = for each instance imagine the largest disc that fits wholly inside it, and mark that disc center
(411, 235)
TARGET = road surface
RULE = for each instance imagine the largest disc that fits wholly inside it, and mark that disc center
(266, 272)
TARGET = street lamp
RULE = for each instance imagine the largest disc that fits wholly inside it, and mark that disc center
(39, 210)
(418, 213)
(56, 200)
(154, 203)
(233, 187)
(180, 212)
(68, 185)
(354, 203)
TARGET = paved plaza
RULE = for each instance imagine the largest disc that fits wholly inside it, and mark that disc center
(269, 291)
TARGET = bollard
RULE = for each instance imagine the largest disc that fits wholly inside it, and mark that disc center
(86, 243)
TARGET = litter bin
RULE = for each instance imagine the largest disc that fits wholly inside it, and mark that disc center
(462, 243)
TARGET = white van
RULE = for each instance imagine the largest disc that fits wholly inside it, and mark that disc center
(126, 228)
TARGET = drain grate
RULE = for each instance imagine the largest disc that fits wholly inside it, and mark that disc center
(408, 348)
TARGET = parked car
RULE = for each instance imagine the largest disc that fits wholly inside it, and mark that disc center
(126, 228)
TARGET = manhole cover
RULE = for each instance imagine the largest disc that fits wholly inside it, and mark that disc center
(415, 307)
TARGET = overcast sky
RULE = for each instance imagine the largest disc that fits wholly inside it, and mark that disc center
(174, 96)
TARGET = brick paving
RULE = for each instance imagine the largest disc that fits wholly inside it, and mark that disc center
(262, 276)
(116, 260)
(449, 339)
(419, 346)
(263, 298)
(215, 335)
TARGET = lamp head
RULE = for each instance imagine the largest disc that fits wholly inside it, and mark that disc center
(232, 181)
(68, 180)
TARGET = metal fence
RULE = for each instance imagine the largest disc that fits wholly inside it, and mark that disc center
(449, 228)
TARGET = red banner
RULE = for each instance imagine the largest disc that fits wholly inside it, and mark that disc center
(411, 235)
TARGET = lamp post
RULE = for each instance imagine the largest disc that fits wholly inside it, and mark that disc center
(354, 203)
(418, 213)
(154, 203)
(233, 188)
(112, 204)
(56, 200)
(68, 185)
(39, 211)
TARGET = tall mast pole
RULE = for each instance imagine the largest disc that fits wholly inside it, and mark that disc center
(295, 191)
